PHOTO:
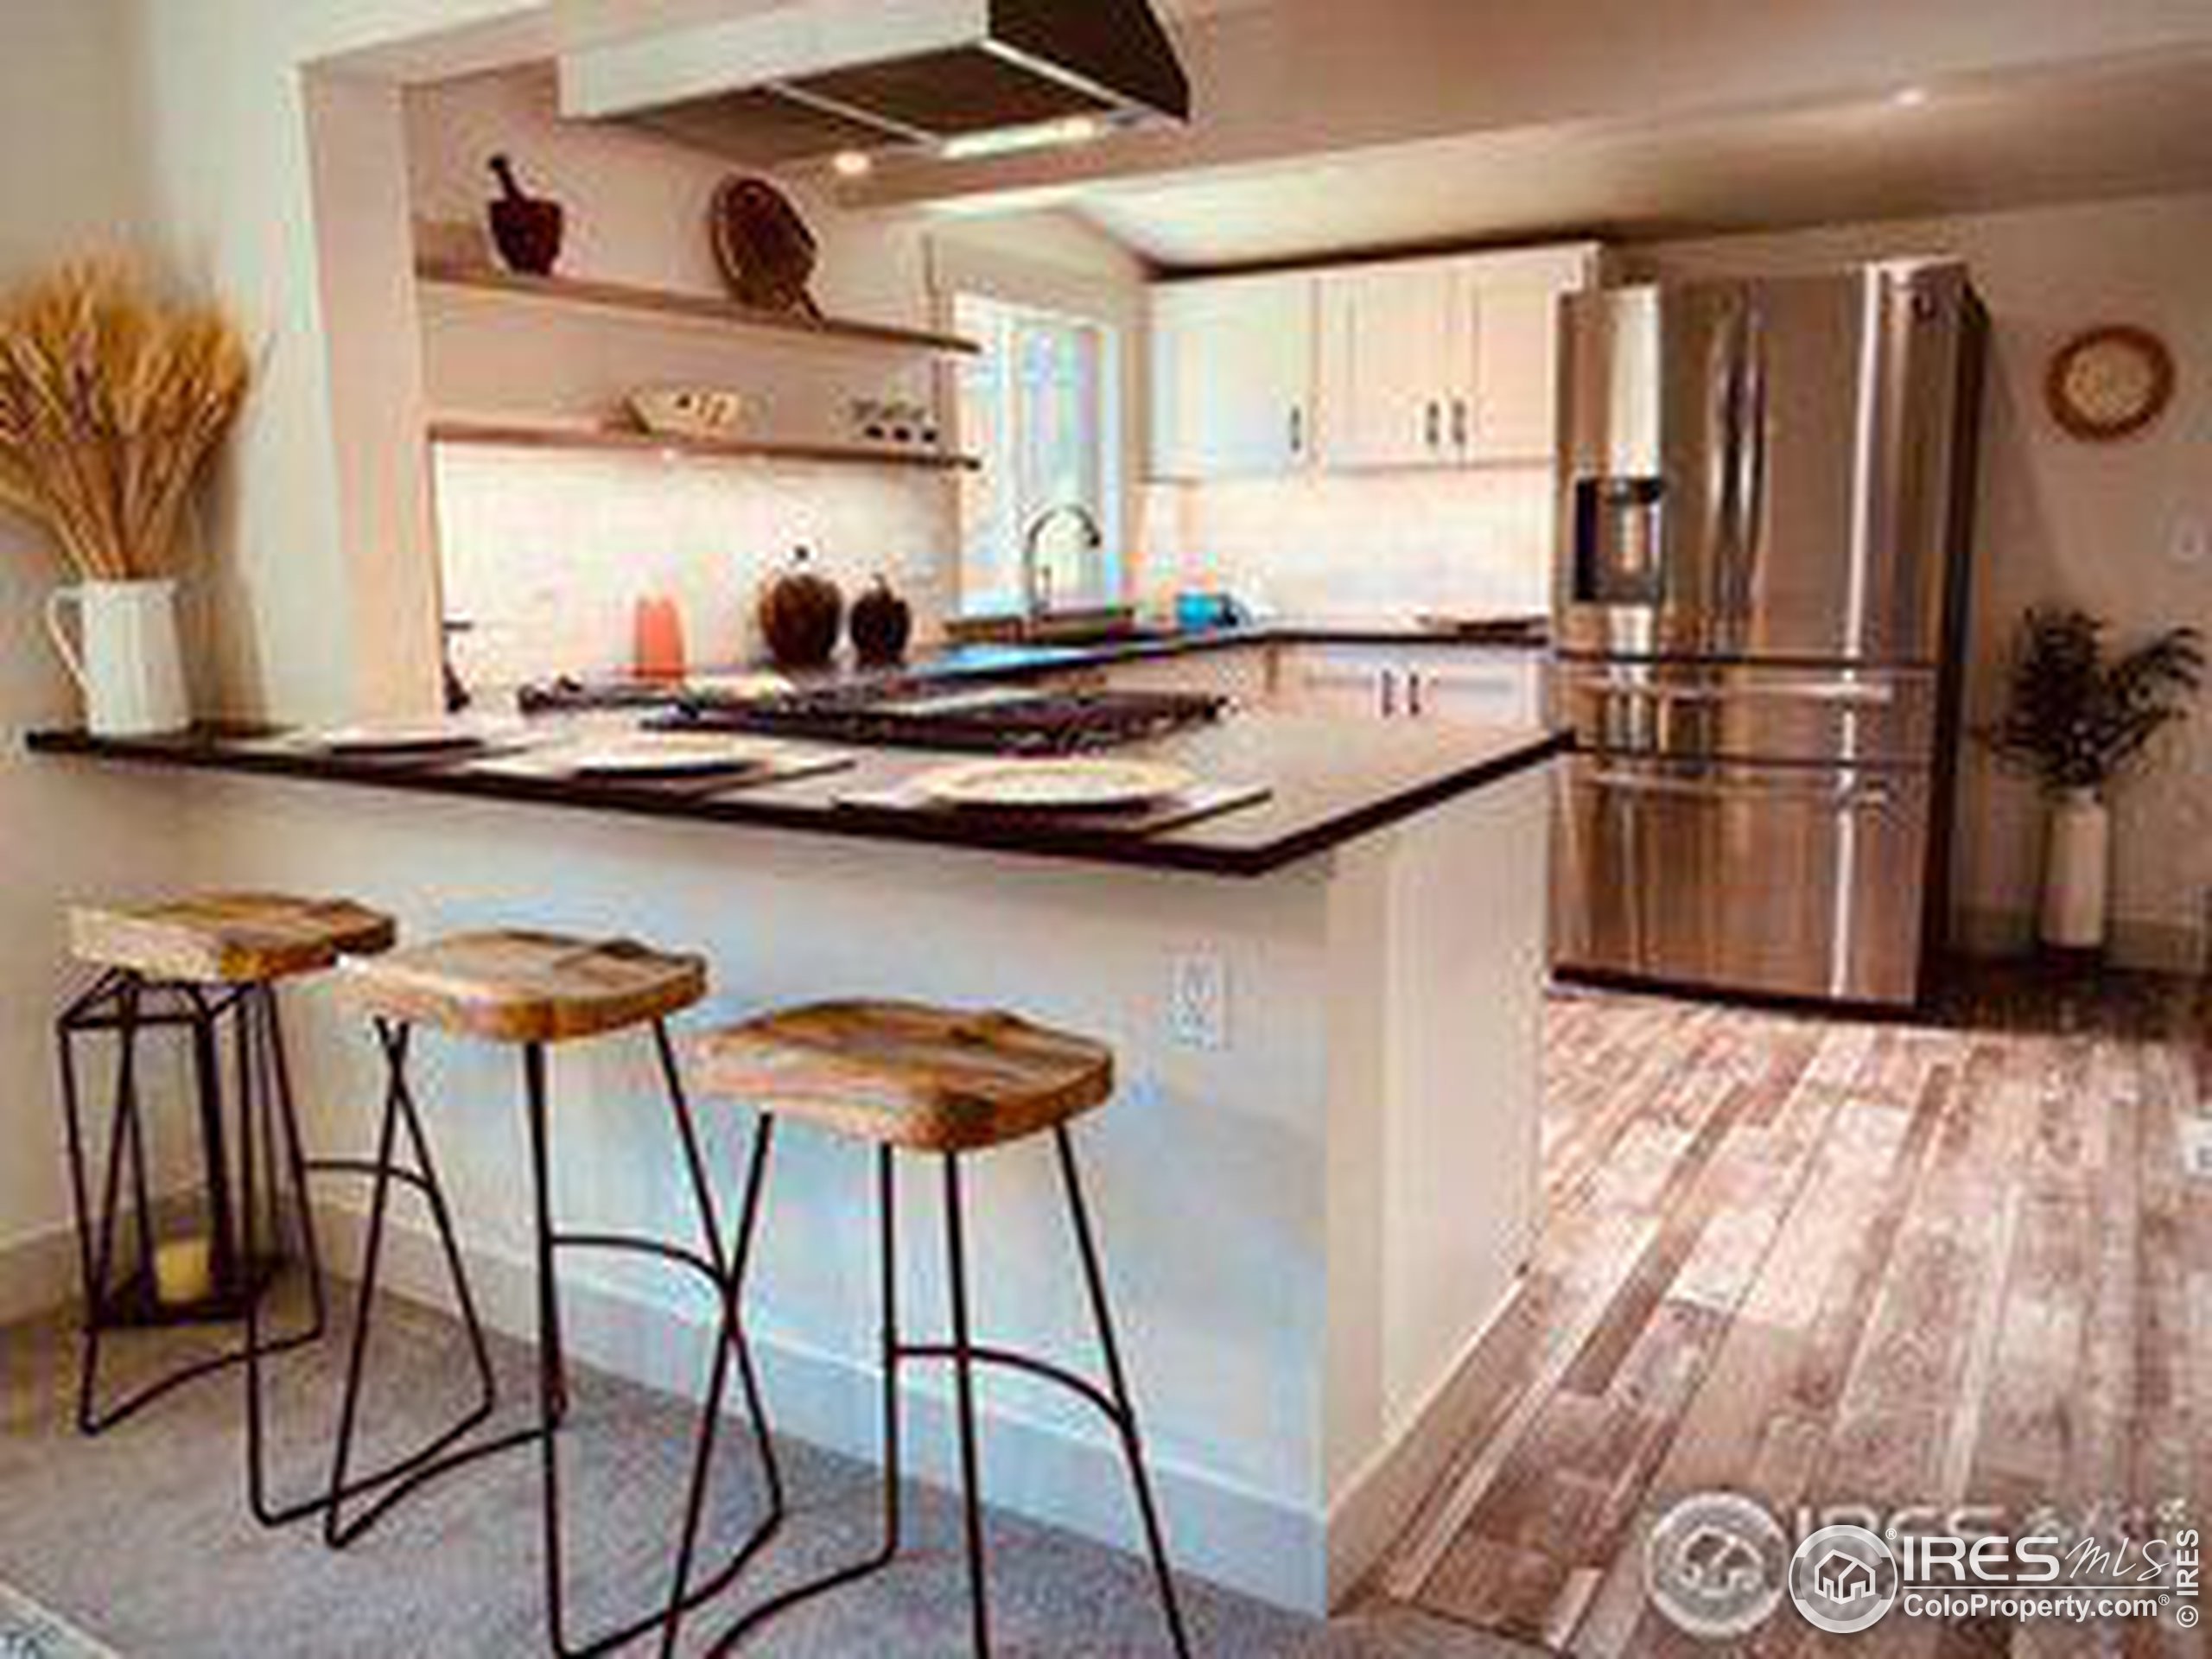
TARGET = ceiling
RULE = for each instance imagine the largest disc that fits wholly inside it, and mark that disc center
(2138, 127)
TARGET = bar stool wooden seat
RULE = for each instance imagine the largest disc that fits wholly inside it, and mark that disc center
(532, 991)
(192, 964)
(228, 939)
(904, 1075)
(949, 1084)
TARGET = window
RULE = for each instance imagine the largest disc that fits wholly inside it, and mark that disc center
(1041, 406)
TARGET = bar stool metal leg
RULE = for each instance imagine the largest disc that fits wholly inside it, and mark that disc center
(730, 1341)
(964, 1383)
(725, 1270)
(891, 1354)
(268, 1117)
(964, 1354)
(1124, 1414)
(396, 1479)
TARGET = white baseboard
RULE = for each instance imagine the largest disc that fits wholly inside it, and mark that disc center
(1381, 1500)
(37, 1273)
(1217, 1530)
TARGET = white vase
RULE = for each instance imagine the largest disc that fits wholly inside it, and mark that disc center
(125, 659)
(2077, 871)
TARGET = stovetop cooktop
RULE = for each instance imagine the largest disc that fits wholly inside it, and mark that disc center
(982, 718)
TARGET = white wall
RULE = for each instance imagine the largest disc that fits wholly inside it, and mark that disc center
(231, 201)
(2060, 521)
(67, 188)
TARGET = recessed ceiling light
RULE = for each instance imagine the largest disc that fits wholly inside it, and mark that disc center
(1908, 97)
(852, 163)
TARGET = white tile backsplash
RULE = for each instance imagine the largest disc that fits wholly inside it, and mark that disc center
(1357, 544)
(548, 553)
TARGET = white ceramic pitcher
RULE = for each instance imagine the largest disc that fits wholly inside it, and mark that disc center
(127, 665)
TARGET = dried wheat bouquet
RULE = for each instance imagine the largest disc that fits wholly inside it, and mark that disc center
(111, 404)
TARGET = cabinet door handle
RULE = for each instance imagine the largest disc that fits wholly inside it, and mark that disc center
(1460, 423)
(1435, 424)
(1413, 693)
(1297, 430)
(1389, 682)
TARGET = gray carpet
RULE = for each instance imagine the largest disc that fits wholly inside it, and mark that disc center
(141, 1537)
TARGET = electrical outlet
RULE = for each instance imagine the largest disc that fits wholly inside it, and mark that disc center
(1198, 1001)
(2191, 546)
(2196, 1146)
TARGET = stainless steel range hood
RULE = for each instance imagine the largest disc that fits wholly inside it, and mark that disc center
(807, 80)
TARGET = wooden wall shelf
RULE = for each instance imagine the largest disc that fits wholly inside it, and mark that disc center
(665, 305)
(526, 435)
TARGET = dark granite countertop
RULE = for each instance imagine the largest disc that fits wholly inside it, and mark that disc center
(1331, 782)
(1047, 658)
(1041, 660)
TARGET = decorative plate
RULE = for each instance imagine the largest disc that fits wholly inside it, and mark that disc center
(667, 754)
(1076, 785)
(2109, 383)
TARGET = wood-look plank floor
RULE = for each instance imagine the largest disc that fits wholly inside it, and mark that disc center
(1819, 1260)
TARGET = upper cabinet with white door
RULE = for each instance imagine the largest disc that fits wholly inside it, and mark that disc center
(1443, 362)
(1232, 376)
(1389, 337)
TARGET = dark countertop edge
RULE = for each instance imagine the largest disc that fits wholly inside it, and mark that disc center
(762, 811)
(1020, 662)
(1057, 659)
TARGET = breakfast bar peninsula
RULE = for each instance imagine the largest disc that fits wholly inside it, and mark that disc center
(1319, 1170)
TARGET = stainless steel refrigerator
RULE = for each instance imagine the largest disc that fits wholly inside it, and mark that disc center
(1767, 492)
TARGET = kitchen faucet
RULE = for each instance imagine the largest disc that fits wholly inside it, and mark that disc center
(1036, 581)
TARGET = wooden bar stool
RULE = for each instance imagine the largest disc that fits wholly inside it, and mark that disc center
(903, 1077)
(532, 991)
(191, 965)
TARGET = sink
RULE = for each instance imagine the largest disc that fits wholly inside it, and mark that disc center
(1098, 633)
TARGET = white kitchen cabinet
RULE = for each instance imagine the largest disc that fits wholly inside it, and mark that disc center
(1477, 688)
(1444, 362)
(1232, 376)
(1509, 411)
(1456, 683)
(1349, 684)
(1389, 339)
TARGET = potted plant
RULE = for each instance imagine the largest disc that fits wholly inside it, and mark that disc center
(111, 404)
(2076, 719)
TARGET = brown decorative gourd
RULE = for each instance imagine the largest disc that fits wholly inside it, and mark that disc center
(881, 624)
(526, 229)
(766, 251)
(801, 614)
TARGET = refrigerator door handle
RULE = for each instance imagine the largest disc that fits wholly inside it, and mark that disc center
(1724, 441)
(1846, 797)
(1752, 462)
(1850, 693)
